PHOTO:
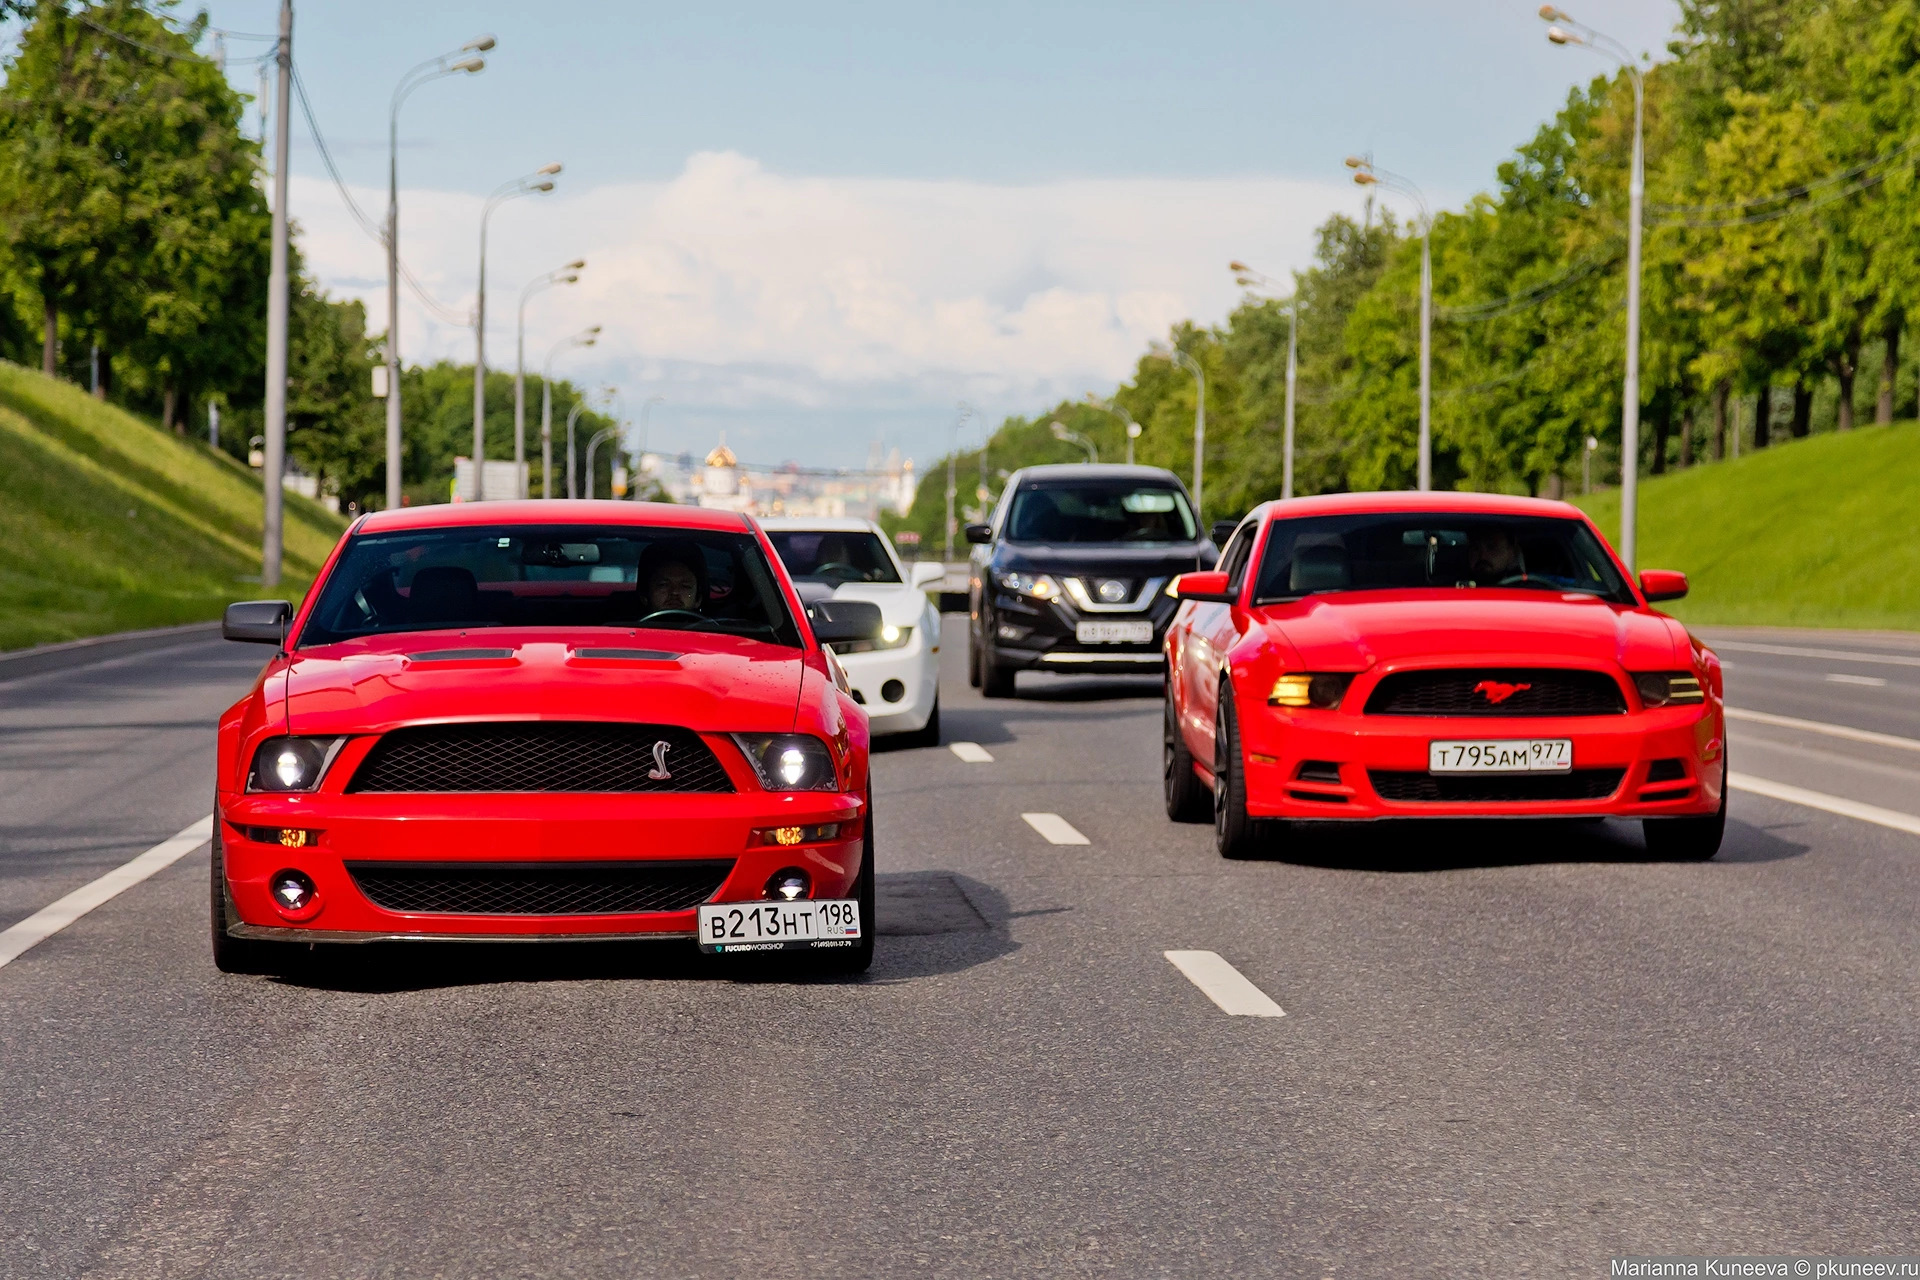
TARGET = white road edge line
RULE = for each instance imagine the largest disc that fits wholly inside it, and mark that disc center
(49, 920)
(1055, 828)
(1834, 655)
(1906, 822)
(1225, 985)
(971, 752)
(1819, 726)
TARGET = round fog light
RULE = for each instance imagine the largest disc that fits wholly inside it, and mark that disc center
(292, 890)
(893, 691)
(789, 885)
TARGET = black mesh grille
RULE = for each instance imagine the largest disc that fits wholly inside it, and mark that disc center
(1497, 693)
(1666, 771)
(540, 757)
(1580, 784)
(538, 889)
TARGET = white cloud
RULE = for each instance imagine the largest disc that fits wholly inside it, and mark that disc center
(785, 305)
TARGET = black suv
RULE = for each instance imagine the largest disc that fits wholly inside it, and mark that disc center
(1072, 574)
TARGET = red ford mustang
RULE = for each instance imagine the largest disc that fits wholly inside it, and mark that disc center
(536, 720)
(1387, 655)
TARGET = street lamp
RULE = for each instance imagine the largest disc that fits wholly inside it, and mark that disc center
(1245, 275)
(573, 415)
(1566, 31)
(1192, 366)
(1061, 433)
(953, 443)
(593, 444)
(1586, 465)
(1113, 407)
(465, 60)
(1366, 174)
(537, 182)
(568, 274)
(640, 462)
(584, 338)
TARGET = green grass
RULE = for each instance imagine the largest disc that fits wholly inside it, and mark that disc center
(1820, 532)
(108, 523)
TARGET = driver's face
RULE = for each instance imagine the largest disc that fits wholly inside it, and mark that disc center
(673, 586)
(1494, 555)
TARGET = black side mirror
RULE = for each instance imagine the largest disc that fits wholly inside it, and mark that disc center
(841, 621)
(257, 621)
(1222, 530)
(980, 534)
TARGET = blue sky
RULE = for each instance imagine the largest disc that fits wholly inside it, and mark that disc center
(812, 226)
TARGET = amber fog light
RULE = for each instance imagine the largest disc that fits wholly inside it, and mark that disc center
(789, 885)
(785, 836)
(292, 890)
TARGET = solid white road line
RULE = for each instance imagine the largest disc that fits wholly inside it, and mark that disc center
(1865, 682)
(971, 752)
(1819, 726)
(1055, 828)
(1906, 822)
(1225, 985)
(49, 920)
(1836, 655)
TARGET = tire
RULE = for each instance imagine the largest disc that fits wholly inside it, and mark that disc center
(996, 681)
(929, 734)
(235, 955)
(1234, 833)
(857, 959)
(1187, 799)
(1688, 839)
(973, 663)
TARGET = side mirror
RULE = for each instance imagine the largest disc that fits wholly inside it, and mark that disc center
(928, 573)
(1222, 530)
(841, 621)
(1210, 587)
(257, 621)
(980, 534)
(1663, 584)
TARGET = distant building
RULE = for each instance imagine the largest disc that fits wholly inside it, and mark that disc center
(725, 483)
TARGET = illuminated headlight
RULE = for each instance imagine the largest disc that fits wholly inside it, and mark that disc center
(1036, 585)
(292, 764)
(1669, 688)
(789, 761)
(1308, 690)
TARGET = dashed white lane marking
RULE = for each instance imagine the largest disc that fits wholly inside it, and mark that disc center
(1832, 655)
(1865, 682)
(1820, 726)
(1831, 804)
(971, 752)
(1055, 828)
(1225, 985)
(49, 920)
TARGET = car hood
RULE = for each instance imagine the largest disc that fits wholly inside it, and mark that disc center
(1111, 560)
(706, 683)
(1356, 630)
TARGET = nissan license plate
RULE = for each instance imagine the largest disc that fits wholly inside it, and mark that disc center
(804, 925)
(1114, 633)
(1515, 755)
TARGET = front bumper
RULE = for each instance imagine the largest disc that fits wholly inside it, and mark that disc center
(910, 673)
(1036, 635)
(521, 829)
(1280, 745)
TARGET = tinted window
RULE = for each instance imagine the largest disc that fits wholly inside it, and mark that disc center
(558, 576)
(833, 557)
(1097, 511)
(1441, 549)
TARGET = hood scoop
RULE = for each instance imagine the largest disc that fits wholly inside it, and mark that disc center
(460, 655)
(627, 655)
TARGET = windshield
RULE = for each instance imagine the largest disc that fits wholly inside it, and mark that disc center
(551, 576)
(1380, 552)
(1097, 511)
(814, 555)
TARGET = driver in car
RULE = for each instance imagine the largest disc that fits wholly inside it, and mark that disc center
(673, 576)
(1494, 556)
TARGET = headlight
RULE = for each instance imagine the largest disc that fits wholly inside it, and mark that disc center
(1037, 585)
(789, 761)
(1308, 690)
(890, 637)
(1669, 688)
(292, 764)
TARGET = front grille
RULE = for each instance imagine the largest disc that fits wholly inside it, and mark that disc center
(1481, 692)
(540, 757)
(538, 889)
(1495, 788)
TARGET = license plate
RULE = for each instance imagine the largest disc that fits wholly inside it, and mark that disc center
(1114, 633)
(1514, 755)
(779, 926)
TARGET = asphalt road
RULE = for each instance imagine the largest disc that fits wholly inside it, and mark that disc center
(1507, 1050)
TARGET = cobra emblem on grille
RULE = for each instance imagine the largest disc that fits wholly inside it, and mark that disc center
(1497, 692)
(659, 771)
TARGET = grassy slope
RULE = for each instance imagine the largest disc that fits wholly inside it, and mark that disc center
(1821, 532)
(108, 523)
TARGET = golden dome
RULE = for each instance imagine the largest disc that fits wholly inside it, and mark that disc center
(722, 457)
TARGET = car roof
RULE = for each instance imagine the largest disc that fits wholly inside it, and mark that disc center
(819, 524)
(1094, 471)
(605, 511)
(1438, 500)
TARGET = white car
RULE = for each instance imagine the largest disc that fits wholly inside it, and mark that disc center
(897, 678)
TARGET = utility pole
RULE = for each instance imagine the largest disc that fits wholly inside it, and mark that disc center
(276, 442)
(1293, 369)
(1192, 366)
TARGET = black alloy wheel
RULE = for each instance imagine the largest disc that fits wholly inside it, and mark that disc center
(996, 681)
(230, 954)
(1187, 799)
(1689, 839)
(973, 661)
(1234, 832)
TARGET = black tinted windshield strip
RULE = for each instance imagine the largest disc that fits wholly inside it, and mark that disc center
(1100, 512)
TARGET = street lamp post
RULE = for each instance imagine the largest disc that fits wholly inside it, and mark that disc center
(573, 416)
(561, 275)
(1245, 275)
(447, 64)
(1114, 407)
(592, 444)
(1061, 433)
(953, 443)
(1567, 31)
(640, 460)
(273, 498)
(585, 338)
(1366, 174)
(540, 180)
(1192, 366)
